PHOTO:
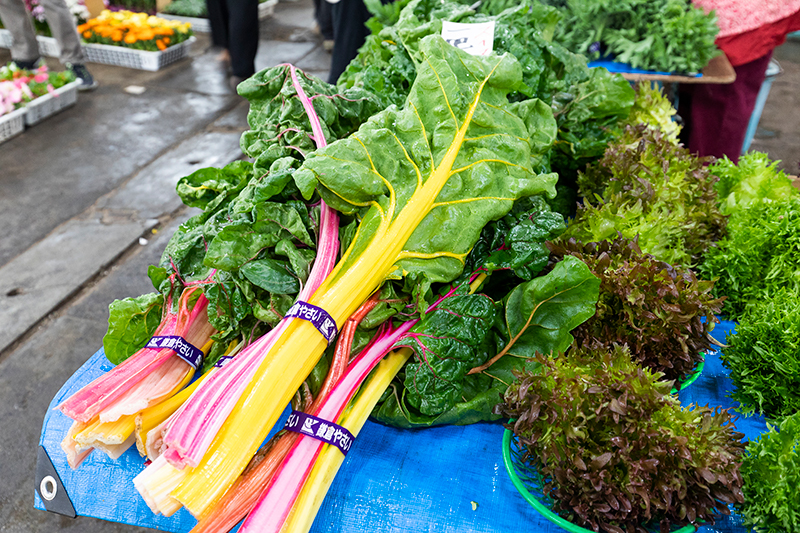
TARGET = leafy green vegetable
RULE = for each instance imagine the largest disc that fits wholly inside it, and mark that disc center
(587, 103)
(663, 35)
(664, 314)
(438, 386)
(771, 474)
(759, 257)
(617, 452)
(754, 179)
(131, 323)
(279, 124)
(647, 186)
(516, 242)
(467, 143)
(764, 357)
(187, 8)
(652, 107)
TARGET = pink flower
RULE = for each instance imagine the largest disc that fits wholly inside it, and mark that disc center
(51, 90)
(41, 77)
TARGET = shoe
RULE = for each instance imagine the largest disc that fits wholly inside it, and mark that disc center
(327, 45)
(29, 65)
(88, 82)
(234, 81)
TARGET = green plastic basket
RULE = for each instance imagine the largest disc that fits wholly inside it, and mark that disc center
(528, 481)
(693, 377)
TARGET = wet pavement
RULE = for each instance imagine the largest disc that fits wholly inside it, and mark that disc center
(87, 199)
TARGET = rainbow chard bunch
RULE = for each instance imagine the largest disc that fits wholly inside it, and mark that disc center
(618, 453)
(663, 313)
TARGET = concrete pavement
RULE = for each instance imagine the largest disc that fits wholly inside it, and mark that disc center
(87, 202)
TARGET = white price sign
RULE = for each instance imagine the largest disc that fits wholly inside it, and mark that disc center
(477, 39)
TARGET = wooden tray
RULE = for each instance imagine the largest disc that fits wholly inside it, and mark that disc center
(718, 70)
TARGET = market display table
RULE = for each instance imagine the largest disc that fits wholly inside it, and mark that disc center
(445, 479)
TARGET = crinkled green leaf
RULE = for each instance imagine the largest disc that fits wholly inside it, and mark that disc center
(771, 475)
(755, 178)
(450, 341)
(279, 124)
(764, 357)
(272, 222)
(203, 186)
(131, 323)
(401, 154)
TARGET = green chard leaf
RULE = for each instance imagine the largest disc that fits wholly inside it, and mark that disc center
(446, 382)
(279, 124)
(131, 323)
(454, 139)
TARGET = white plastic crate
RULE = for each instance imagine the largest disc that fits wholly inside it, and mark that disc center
(48, 46)
(266, 9)
(44, 106)
(5, 38)
(12, 124)
(198, 24)
(138, 59)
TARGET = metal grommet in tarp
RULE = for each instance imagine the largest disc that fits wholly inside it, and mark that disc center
(49, 487)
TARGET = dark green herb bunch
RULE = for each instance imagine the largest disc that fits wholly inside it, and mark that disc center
(665, 35)
(616, 451)
(771, 474)
(764, 357)
(759, 257)
(663, 313)
(647, 186)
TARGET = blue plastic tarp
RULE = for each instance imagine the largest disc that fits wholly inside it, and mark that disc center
(392, 480)
(624, 68)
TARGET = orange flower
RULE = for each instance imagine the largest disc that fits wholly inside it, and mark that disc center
(116, 36)
(87, 34)
(130, 38)
(146, 34)
(160, 44)
(166, 40)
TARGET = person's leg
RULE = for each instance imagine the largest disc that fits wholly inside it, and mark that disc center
(720, 113)
(324, 20)
(349, 34)
(16, 19)
(243, 40)
(218, 19)
(62, 25)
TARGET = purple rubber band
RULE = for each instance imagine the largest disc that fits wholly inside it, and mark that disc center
(320, 429)
(317, 316)
(184, 350)
(224, 360)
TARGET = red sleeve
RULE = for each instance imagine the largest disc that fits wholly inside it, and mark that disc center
(749, 46)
